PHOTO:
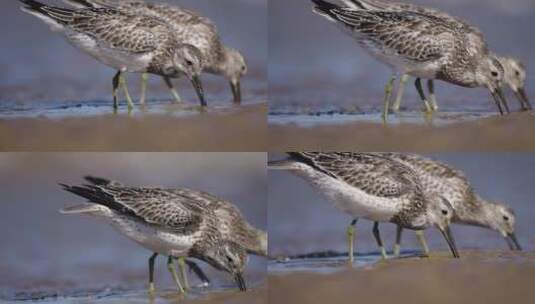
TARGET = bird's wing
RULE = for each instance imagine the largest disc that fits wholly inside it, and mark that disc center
(112, 28)
(152, 205)
(414, 36)
(369, 172)
(403, 6)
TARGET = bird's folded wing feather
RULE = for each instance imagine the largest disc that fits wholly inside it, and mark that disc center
(369, 172)
(415, 36)
(118, 30)
(158, 206)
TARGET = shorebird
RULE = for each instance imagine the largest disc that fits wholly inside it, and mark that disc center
(190, 28)
(420, 45)
(514, 70)
(470, 208)
(125, 42)
(515, 78)
(367, 185)
(178, 223)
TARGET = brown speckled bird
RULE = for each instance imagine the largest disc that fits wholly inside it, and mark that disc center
(190, 28)
(125, 42)
(421, 45)
(178, 223)
(370, 186)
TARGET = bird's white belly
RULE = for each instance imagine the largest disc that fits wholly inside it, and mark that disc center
(356, 202)
(119, 60)
(156, 240)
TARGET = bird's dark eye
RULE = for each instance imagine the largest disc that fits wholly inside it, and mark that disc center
(445, 212)
(495, 74)
(517, 73)
(505, 218)
(243, 68)
(188, 62)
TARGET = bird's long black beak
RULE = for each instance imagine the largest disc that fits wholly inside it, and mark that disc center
(524, 100)
(235, 86)
(446, 232)
(513, 242)
(197, 84)
(240, 281)
(500, 100)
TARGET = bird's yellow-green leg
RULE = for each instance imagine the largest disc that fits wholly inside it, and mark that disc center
(397, 246)
(171, 267)
(172, 89)
(350, 239)
(421, 238)
(399, 94)
(432, 96)
(183, 273)
(388, 93)
(143, 93)
(122, 80)
(151, 272)
(427, 106)
(115, 83)
(379, 240)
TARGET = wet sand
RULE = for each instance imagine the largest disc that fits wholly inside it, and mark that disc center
(243, 129)
(510, 133)
(478, 277)
(257, 295)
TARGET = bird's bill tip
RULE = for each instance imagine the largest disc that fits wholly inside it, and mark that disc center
(197, 84)
(446, 232)
(523, 98)
(240, 281)
(499, 99)
(235, 86)
(512, 241)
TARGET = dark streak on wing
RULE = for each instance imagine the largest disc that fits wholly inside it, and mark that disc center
(110, 27)
(152, 205)
(411, 34)
(369, 172)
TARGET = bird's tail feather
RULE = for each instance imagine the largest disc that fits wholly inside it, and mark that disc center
(80, 3)
(86, 208)
(365, 4)
(54, 16)
(283, 164)
(325, 9)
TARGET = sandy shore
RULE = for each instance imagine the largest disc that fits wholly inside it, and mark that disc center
(475, 278)
(243, 130)
(511, 133)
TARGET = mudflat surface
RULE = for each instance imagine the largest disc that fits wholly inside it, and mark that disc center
(478, 277)
(476, 132)
(240, 129)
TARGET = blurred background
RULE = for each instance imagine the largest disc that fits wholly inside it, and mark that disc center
(44, 253)
(313, 64)
(40, 70)
(301, 221)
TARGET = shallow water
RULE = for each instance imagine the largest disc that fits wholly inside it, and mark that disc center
(479, 277)
(333, 118)
(314, 65)
(62, 109)
(46, 255)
